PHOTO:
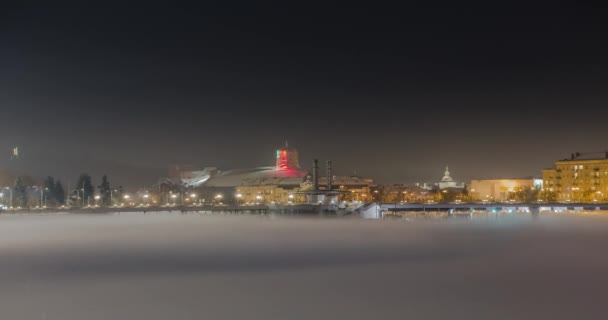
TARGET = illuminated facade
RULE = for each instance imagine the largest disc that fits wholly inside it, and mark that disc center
(353, 188)
(400, 193)
(267, 194)
(283, 183)
(286, 172)
(577, 180)
(502, 190)
(446, 183)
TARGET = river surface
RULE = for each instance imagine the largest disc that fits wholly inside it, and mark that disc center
(198, 266)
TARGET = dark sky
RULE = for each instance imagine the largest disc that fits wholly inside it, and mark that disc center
(395, 93)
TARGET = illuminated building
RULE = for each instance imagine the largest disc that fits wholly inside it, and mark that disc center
(343, 188)
(355, 188)
(502, 190)
(267, 194)
(445, 183)
(581, 178)
(287, 158)
(283, 183)
(400, 193)
(314, 193)
(286, 172)
(448, 182)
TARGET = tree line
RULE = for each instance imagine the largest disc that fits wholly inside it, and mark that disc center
(52, 192)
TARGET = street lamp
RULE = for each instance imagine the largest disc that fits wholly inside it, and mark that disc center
(45, 196)
(112, 196)
(41, 195)
(126, 197)
(174, 196)
(146, 196)
(97, 197)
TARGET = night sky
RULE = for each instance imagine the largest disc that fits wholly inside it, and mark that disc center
(395, 93)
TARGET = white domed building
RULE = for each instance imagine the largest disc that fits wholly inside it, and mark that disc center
(447, 181)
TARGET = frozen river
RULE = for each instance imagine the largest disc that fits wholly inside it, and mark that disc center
(194, 266)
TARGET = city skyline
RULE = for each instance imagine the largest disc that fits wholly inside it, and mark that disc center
(131, 176)
(293, 160)
(392, 93)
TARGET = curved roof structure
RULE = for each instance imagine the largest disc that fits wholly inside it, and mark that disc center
(287, 172)
(264, 176)
(257, 176)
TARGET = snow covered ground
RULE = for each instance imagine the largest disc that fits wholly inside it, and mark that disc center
(196, 266)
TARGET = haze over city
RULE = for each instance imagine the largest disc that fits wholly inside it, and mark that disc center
(395, 93)
(239, 160)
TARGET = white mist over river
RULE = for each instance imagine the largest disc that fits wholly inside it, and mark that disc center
(198, 266)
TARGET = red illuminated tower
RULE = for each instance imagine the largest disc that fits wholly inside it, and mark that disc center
(287, 158)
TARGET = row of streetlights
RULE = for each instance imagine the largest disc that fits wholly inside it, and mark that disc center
(145, 197)
(259, 198)
(42, 195)
(126, 197)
